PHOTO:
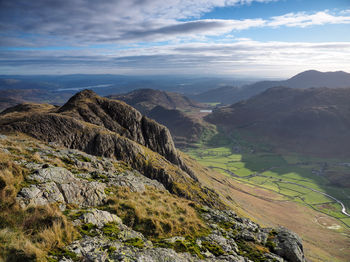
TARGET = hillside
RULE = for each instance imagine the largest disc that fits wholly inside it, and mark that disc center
(307, 79)
(178, 113)
(311, 121)
(95, 180)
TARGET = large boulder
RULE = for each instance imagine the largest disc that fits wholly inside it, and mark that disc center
(288, 245)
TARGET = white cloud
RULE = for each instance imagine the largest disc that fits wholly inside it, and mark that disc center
(303, 19)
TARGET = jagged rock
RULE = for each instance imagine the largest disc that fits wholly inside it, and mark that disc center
(123, 119)
(99, 218)
(288, 245)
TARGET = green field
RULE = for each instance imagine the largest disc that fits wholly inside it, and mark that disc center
(293, 176)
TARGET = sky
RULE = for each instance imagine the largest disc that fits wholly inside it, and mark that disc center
(238, 38)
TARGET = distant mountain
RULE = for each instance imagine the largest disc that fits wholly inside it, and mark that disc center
(307, 79)
(145, 100)
(311, 121)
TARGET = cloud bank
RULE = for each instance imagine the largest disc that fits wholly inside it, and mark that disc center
(138, 36)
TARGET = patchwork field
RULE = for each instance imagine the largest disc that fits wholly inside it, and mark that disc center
(294, 177)
(288, 190)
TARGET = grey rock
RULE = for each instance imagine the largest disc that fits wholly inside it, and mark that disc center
(79, 192)
(39, 195)
(54, 174)
(84, 194)
(289, 245)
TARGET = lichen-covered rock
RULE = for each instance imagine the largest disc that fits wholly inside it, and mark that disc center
(99, 218)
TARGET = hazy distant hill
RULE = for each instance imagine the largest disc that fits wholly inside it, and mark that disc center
(312, 120)
(307, 79)
(146, 99)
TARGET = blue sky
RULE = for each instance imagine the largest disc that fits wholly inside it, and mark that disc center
(242, 38)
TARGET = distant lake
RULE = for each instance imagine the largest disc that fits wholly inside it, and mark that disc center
(206, 111)
(81, 88)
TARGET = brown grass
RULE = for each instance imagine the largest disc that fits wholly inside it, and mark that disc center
(157, 213)
(27, 234)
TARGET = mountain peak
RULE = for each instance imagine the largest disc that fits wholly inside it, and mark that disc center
(86, 93)
(314, 75)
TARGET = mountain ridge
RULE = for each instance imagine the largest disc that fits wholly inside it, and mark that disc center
(306, 79)
(103, 136)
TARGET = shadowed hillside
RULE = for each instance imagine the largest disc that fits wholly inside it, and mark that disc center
(312, 121)
(170, 109)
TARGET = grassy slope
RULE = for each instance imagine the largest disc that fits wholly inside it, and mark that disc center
(32, 233)
(269, 195)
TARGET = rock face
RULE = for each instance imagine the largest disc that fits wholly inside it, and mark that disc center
(122, 119)
(104, 127)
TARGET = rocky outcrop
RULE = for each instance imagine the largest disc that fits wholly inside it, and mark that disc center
(108, 128)
(122, 119)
